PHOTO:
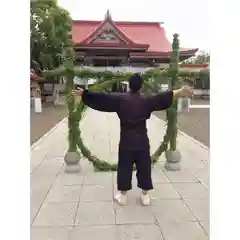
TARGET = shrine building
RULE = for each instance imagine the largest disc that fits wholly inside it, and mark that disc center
(116, 44)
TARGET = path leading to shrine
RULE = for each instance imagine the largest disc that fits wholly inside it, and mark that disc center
(69, 206)
(194, 123)
(101, 133)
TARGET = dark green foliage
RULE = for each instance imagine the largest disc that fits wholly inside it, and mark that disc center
(172, 112)
(50, 27)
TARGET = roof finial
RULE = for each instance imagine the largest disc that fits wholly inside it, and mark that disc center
(108, 14)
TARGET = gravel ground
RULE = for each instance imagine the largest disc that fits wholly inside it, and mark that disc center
(41, 123)
(195, 123)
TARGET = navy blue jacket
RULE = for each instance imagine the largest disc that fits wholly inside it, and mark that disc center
(133, 109)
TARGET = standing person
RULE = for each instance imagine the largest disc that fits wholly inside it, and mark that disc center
(133, 109)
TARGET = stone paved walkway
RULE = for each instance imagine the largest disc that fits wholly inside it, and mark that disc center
(80, 206)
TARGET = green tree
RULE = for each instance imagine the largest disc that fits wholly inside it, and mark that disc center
(202, 58)
(50, 28)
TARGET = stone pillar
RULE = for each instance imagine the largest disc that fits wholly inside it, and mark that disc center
(173, 160)
(72, 161)
(38, 105)
(58, 101)
(183, 105)
(37, 97)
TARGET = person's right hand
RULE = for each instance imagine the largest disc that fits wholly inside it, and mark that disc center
(186, 91)
(77, 92)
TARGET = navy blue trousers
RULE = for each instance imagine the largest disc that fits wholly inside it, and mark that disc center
(142, 160)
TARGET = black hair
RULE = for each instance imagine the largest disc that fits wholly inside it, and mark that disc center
(135, 82)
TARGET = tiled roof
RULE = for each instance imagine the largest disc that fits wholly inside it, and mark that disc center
(148, 33)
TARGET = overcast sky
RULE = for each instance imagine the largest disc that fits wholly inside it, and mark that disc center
(189, 18)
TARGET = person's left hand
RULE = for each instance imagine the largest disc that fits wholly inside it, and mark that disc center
(77, 92)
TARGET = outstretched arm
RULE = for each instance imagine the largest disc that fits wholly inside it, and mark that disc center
(164, 100)
(160, 101)
(101, 101)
